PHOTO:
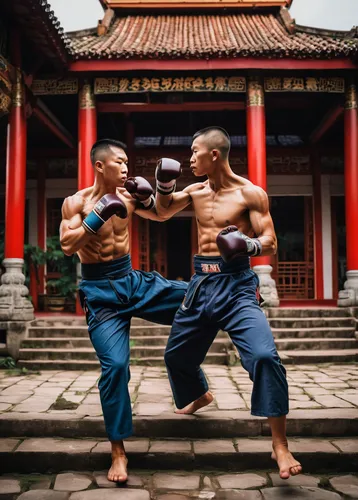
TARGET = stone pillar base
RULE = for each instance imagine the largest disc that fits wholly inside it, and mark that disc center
(16, 332)
(268, 289)
(349, 296)
(14, 302)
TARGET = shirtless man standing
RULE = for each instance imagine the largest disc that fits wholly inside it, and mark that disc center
(234, 223)
(95, 226)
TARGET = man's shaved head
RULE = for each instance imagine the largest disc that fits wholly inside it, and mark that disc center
(215, 138)
(103, 147)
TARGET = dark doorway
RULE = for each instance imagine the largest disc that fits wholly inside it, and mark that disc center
(179, 248)
(293, 264)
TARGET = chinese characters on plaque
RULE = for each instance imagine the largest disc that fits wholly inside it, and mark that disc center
(170, 84)
(55, 87)
(304, 84)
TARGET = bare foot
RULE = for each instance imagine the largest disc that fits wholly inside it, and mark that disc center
(118, 471)
(204, 400)
(286, 463)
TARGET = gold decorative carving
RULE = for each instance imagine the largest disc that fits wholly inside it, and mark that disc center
(170, 84)
(351, 97)
(55, 87)
(87, 100)
(18, 98)
(255, 93)
(5, 103)
(304, 84)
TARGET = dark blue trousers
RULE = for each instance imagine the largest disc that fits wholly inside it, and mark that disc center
(111, 294)
(223, 296)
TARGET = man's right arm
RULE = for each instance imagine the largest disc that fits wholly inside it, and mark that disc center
(73, 236)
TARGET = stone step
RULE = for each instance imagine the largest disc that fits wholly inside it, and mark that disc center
(157, 330)
(42, 455)
(63, 363)
(321, 356)
(309, 312)
(219, 345)
(301, 333)
(88, 353)
(155, 345)
(308, 422)
(299, 323)
(317, 344)
(82, 331)
(60, 321)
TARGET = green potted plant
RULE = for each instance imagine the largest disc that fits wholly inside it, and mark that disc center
(63, 287)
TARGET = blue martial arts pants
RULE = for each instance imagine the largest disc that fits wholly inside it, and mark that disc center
(223, 296)
(111, 293)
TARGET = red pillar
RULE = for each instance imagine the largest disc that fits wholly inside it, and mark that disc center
(87, 136)
(317, 225)
(133, 225)
(256, 143)
(16, 164)
(351, 175)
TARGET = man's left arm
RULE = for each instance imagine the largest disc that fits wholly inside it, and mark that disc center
(261, 221)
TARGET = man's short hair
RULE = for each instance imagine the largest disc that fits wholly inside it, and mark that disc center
(102, 147)
(215, 138)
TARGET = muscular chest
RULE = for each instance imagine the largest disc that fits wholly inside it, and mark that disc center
(219, 209)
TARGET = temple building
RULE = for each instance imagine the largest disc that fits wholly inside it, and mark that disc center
(151, 74)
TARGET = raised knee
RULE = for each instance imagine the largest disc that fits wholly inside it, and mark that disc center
(119, 366)
(265, 357)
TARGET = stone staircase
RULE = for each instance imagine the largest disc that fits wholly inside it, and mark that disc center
(310, 335)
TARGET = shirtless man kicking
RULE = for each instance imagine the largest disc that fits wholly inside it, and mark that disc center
(234, 223)
(95, 226)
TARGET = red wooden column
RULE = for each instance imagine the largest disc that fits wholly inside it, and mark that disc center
(256, 143)
(256, 162)
(16, 175)
(134, 223)
(317, 225)
(87, 136)
(349, 296)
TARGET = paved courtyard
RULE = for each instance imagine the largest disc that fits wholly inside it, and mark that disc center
(179, 486)
(311, 387)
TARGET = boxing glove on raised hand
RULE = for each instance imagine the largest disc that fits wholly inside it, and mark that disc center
(140, 190)
(232, 243)
(166, 174)
(108, 205)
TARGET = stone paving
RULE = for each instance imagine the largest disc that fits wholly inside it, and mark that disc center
(311, 387)
(144, 485)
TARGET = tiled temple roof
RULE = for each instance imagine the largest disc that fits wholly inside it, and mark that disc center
(238, 34)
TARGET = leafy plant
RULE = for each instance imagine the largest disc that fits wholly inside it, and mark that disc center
(6, 363)
(65, 285)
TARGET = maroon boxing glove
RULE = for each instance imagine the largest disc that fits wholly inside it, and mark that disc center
(108, 205)
(233, 243)
(166, 174)
(140, 190)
